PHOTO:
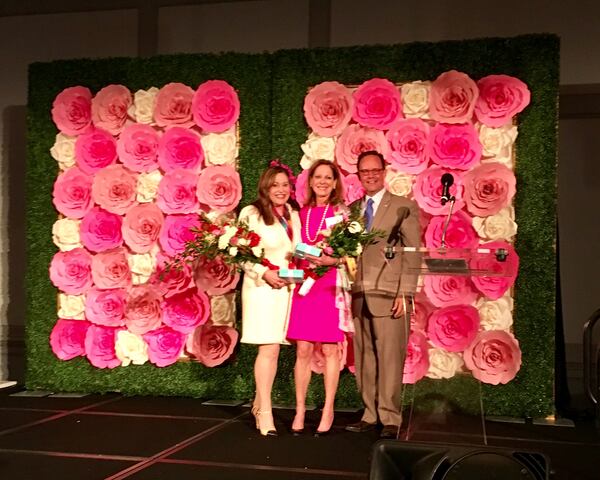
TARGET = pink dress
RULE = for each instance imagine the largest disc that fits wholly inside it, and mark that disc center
(314, 317)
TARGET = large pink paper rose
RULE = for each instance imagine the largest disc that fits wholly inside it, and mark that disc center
(101, 230)
(215, 276)
(109, 108)
(72, 193)
(353, 189)
(454, 146)
(180, 148)
(143, 309)
(137, 147)
(416, 362)
(459, 234)
(216, 106)
(489, 188)
(111, 269)
(494, 286)
(408, 145)
(165, 346)
(356, 139)
(428, 188)
(211, 344)
(185, 311)
(100, 346)
(72, 111)
(328, 108)
(377, 104)
(95, 150)
(501, 97)
(453, 328)
(220, 188)
(494, 357)
(114, 189)
(141, 227)
(444, 290)
(68, 338)
(452, 97)
(71, 271)
(302, 187)
(173, 106)
(106, 307)
(176, 231)
(172, 282)
(177, 192)
(420, 315)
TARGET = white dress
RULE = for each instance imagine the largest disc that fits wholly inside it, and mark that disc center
(265, 310)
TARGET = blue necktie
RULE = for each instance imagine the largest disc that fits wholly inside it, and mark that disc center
(369, 214)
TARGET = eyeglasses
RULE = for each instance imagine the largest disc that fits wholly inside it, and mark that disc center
(372, 171)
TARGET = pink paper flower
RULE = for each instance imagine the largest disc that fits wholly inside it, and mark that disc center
(356, 139)
(143, 309)
(494, 287)
(377, 104)
(444, 291)
(501, 97)
(165, 346)
(106, 307)
(454, 146)
(177, 192)
(142, 226)
(185, 311)
(176, 231)
(459, 234)
(408, 145)
(72, 193)
(494, 357)
(215, 276)
(109, 108)
(328, 108)
(111, 270)
(68, 338)
(416, 362)
(95, 150)
(453, 328)
(174, 281)
(137, 147)
(452, 97)
(101, 230)
(100, 346)
(114, 189)
(216, 106)
(220, 188)
(174, 106)
(72, 111)
(302, 187)
(211, 344)
(489, 188)
(180, 148)
(420, 314)
(70, 271)
(353, 189)
(427, 191)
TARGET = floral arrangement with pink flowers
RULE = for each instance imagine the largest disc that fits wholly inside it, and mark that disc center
(452, 124)
(135, 171)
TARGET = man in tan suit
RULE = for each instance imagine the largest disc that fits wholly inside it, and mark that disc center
(380, 300)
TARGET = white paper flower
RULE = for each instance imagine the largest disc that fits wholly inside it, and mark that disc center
(130, 348)
(147, 186)
(443, 364)
(500, 226)
(495, 314)
(497, 143)
(317, 148)
(63, 151)
(71, 306)
(222, 310)
(142, 108)
(398, 183)
(142, 266)
(65, 234)
(220, 148)
(415, 99)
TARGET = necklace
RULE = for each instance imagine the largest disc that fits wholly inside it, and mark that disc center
(307, 225)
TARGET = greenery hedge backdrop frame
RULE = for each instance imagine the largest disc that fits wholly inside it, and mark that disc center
(271, 88)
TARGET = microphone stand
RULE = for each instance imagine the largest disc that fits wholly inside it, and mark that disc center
(452, 199)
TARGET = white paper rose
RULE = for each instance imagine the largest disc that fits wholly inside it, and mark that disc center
(415, 99)
(443, 364)
(222, 310)
(497, 143)
(317, 148)
(147, 186)
(130, 348)
(71, 306)
(220, 148)
(142, 108)
(63, 151)
(142, 266)
(65, 234)
(495, 314)
(398, 183)
(500, 226)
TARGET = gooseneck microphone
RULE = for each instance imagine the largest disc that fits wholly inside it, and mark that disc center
(447, 181)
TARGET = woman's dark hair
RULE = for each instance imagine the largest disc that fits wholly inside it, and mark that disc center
(337, 194)
(263, 202)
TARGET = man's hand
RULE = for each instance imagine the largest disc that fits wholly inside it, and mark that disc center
(398, 307)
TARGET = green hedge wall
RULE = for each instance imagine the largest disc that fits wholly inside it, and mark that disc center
(272, 90)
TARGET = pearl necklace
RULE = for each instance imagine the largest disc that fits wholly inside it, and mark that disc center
(307, 225)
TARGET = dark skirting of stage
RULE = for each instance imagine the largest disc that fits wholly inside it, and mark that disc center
(114, 437)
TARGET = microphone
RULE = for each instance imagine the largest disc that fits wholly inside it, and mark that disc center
(447, 181)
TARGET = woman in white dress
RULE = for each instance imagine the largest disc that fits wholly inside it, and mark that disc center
(266, 298)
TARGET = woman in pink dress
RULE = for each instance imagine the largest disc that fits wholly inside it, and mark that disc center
(315, 317)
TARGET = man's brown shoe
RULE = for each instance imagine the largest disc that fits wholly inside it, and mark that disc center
(390, 431)
(360, 427)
